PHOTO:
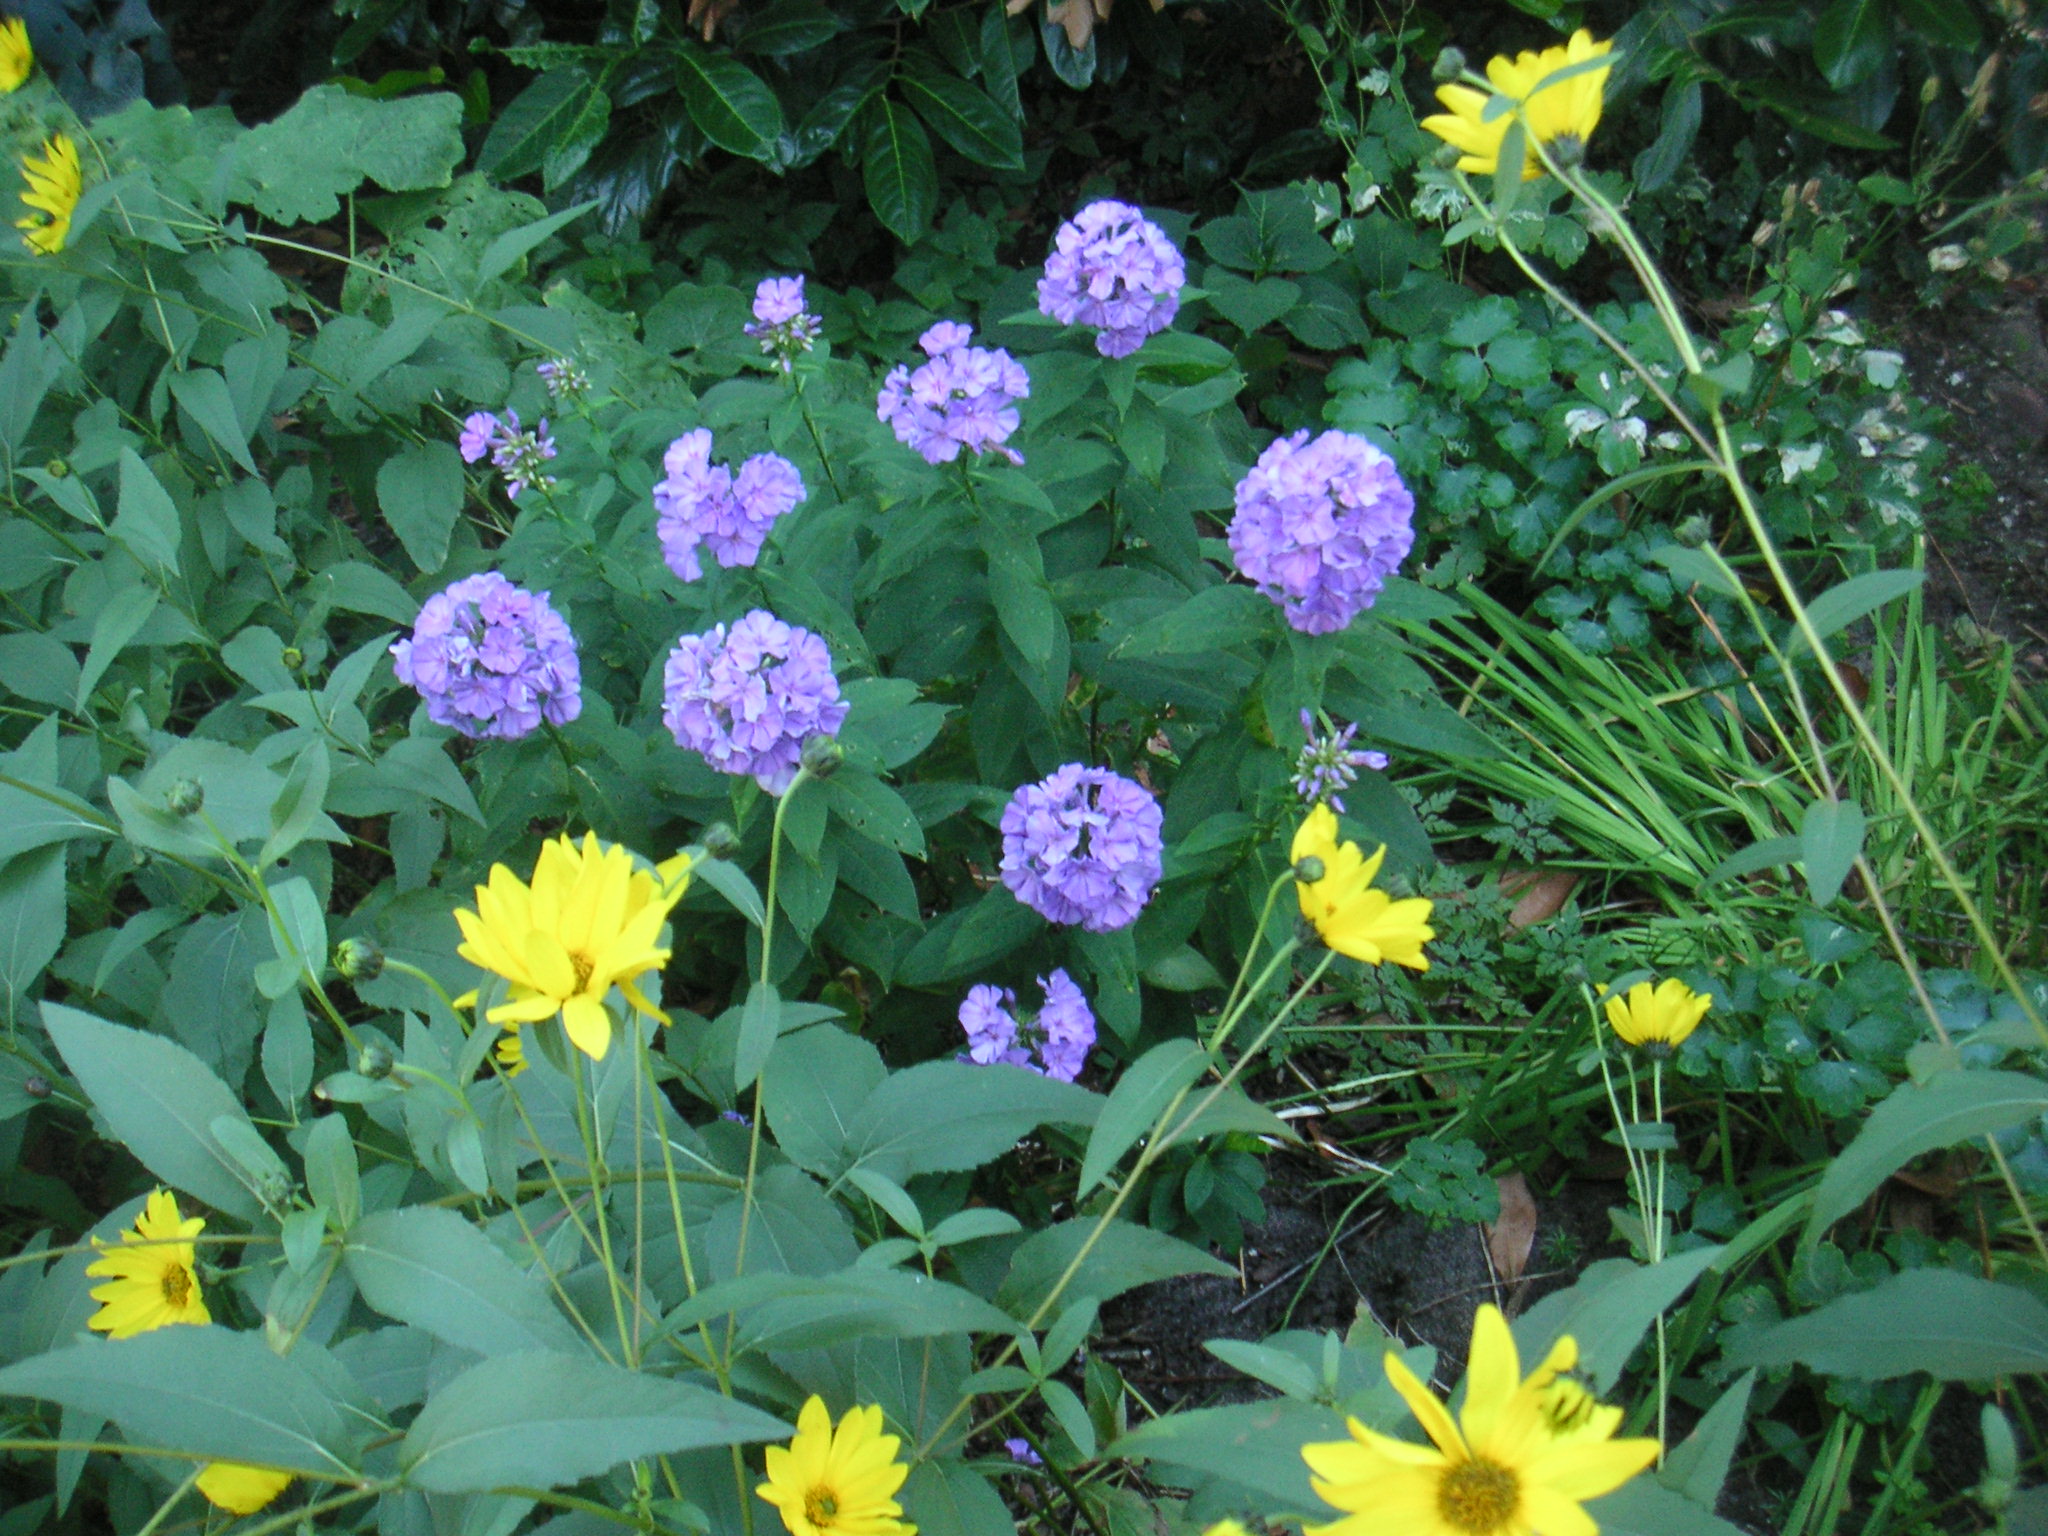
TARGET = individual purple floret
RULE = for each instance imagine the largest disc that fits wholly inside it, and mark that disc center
(1114, 269)
(519, 453)
(1328, 764)
(1082, 846)
(1320, 526)
(1066, 1027)
(988, 1015)
(1021, 1452)
(1062, 1032)
(479, 432)
(492, 660)
(964, 397)
(564, 379)
(781, 324)
(749, 699)
(703, 503)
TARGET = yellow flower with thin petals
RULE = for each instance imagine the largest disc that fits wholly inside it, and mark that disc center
(238, 1489)
(1352, 916)
(17, 58)
(54, 185)
(840, 1482)
(153, 1279)
(590, 921)
(1503, 1468)
(1562, 115)
(1658, 1018)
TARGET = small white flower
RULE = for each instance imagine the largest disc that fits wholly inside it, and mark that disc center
(1948, 258)
(1794, 462)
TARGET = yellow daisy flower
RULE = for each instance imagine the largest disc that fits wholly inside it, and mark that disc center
(1658, 1018)
(1563, 115)
(837, 1483)
(238, 1489)
(1502, 1469)
(588, 922)
(17, 58)
(54, 184)
(153, 1281)
(1352, 917)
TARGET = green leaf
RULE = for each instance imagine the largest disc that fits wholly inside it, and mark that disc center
(1953, 1326)
(204, 395)
(1943, 23)
(966, 940)
(158, 1100)
(1830, 841)
(896, 164)
(32, 919)
(294, 814)
(1770, 853)
(554, 123)
(1842, 605)
(1256, 1446)
(760, 1023)
(786, 27)
(1643, 1507)
(295, 168)
(147, 522)
(729, 102)
(1851, 41)
(206, 1390)
(1213, 619)
(1697, 567)
(1608, 1311)
(419, 491)
(818, 1311)
(1946, 1110)
(813, 1097)
(509, 247)
(965, 116)
(875, 811)
(944, 1497)
(426, 1266)
(1699, 1467)
(332, 1176)
(1122, 1258)
(112, 629)
(1147, 1086)
(950, 1116)
(543, 1421)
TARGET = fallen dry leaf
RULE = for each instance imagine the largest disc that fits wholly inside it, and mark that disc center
(1510, 1240)
(1539, 894)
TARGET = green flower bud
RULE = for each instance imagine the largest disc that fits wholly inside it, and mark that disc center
(58, 469)
(1309, 869)
(293, 658)
(822, 757)
(186, 797)
(375, 1063)
(36, 1086)
(1693, 532)
(1450, 64)
(720, 841)
(359, 959)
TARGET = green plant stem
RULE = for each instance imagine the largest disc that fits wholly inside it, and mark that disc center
(593, 1158)
(163, 1510)
(1251, 950)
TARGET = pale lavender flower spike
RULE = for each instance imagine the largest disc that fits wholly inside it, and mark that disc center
(1113, 269)
(1320, 526)
(699, 503)
(749, 698)
(1082, 846)
(964, 397)
(781, 323)
(1329, 764)
(516, 453)
(492, 660)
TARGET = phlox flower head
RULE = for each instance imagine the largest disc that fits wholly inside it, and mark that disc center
(1320, 526)
(1061, 1033)
(1113, 269)
(963, 397)
(748, 698)
(783, 326)
(1082, 846)
(698, 503)
(518, 453)
(1328, 764)
(492, 660)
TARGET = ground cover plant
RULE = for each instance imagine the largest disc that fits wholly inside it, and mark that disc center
(636, 885)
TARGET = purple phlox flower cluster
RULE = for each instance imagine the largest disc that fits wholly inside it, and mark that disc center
(518, 453)
(564, 378)
(1329, 764)
(748, 698)
(492, 660)
(1114, 269)
(1062, 1032)
(781, 324)
(1082, 846)
(1320, 526)
(704, 503)
(1021, 1452)
(963, 397)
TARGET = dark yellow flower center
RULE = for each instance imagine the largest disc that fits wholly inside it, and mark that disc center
(1478, 1496)
(821, 1508)
(583, 966)
(177, 1285)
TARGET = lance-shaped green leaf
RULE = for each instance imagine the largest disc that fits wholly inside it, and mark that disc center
(426, 1266)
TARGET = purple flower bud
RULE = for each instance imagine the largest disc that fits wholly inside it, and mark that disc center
(1021, 1452)
(1114, 269)
(749, 699)
(492, 660)
(1082, 846)
(1320, 526)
